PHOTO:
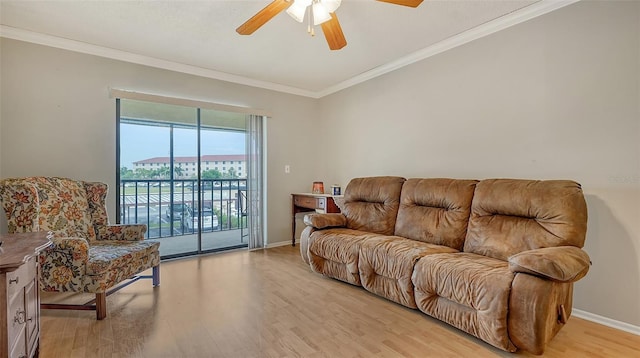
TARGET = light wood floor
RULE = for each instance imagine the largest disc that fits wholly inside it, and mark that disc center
(269, 304)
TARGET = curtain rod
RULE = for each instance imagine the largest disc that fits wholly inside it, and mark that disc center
(126, 94)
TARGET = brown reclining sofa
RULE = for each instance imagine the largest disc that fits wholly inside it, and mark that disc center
(495, 258)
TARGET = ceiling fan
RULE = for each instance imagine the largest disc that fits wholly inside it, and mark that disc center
(319, 12)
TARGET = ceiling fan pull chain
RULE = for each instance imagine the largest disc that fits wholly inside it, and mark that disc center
(310, 27)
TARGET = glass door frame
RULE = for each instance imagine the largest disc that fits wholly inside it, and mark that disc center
(200, 194)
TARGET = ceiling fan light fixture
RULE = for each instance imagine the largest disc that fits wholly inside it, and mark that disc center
(320, 13)
(297, 10)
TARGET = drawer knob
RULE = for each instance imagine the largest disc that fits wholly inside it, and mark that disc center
(14, 280)
(19, 318)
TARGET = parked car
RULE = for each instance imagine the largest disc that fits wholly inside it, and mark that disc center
(209, 220)
(179, 210)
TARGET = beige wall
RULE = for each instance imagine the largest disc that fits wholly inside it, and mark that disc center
(57, 119)
(555, 97)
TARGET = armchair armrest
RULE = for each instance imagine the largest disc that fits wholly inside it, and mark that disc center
(63, 264)
(561, 264)
(129, 232)
(76, 247)
(323, 221)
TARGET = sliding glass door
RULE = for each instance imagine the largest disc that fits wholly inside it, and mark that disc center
(183, 173)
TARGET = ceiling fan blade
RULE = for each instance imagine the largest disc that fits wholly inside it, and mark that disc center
(410, 3)
(264, 15)
(333, 33)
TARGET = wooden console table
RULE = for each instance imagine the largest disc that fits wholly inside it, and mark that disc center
(20, 293)
(310, 202)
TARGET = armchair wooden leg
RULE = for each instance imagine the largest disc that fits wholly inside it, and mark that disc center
(101, 305)
(156, 275)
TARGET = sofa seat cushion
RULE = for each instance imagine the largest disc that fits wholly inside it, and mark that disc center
(468, 291)
(335, 253)
(122, 255)
(386, 265)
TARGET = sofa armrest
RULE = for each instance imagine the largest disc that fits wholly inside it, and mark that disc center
(323, 221)
(560, 264)
(74, 246)
(63, 264)
(128, 232)
(305, 237)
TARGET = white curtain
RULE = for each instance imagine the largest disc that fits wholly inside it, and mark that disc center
(255, 180)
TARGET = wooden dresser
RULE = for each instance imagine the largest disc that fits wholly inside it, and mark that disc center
(20, 293)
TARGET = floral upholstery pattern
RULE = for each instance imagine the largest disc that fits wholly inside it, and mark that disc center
(63, 264)
(63, 207)
(130, 232)
(105, 255)
(88, 254)
(136, 258)
(97, 198)
(19, 201)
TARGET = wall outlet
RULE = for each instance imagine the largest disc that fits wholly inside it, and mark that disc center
(287, 169)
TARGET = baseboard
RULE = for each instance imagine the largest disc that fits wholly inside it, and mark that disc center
(623, 326)
(278, 244)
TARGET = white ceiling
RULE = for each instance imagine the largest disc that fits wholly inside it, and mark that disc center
(199, 37)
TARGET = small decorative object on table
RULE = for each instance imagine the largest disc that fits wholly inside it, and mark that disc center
(318, 187)
(335, 189)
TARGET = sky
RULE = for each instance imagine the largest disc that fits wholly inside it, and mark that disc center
(139, 142)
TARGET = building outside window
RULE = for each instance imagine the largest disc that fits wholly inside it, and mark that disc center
(186, 163)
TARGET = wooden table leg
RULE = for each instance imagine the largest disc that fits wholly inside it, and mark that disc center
(293, 228)
(296, 209)
(101, 305)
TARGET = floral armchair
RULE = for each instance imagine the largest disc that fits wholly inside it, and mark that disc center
(87, 255)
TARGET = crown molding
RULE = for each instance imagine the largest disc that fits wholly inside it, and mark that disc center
(86, 48)
(537, 9)
(534, 10)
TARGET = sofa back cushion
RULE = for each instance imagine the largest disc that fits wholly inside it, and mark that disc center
(509, 216)
(435, 211)
(371, 204)
(97, 200)
(64, 208)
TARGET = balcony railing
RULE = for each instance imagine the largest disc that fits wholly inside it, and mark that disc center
(174, 207)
